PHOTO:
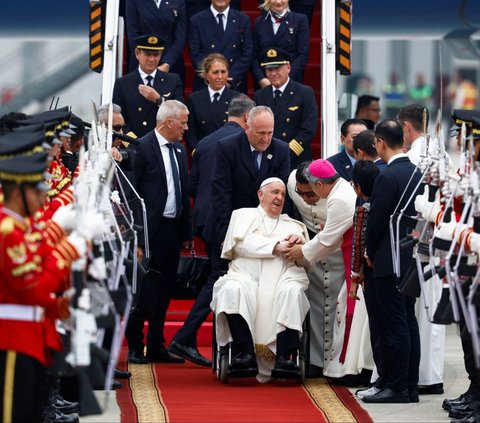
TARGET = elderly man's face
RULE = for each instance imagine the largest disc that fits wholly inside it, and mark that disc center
(118, 123)
(272, 198)
(278, 75)
(260, 132)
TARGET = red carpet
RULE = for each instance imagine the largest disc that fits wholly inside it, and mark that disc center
(187, 393)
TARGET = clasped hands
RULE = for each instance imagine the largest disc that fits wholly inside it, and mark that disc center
(290, 248)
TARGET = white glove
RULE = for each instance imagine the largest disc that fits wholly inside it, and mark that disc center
(79, 242)
(446, 230)
(97, 269)
(93, 226)
(65, 217)
(115, 197)
(475, 243)
(428, 210)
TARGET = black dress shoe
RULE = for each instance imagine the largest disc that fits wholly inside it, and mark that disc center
(473, 417)
(189, 353)
(435, 389)
(464, 409)
(66, 407)
(115, 385)
(314, 372)
(244, 362)
(118, 374)
(413, 394)
(137, 357)
(285, 369)
(163, 356)
(455, 402)
(55, 416)
(388, 396)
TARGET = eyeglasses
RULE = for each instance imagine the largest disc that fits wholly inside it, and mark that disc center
(118, 128)
(309, 194)
(374, 109)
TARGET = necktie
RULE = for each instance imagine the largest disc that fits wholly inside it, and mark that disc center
(176, 181)
(216, 98)
(220, 22)
(255, 154)
(149, 79)
(276, 96)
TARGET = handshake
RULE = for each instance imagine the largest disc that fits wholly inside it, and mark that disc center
(290, 248)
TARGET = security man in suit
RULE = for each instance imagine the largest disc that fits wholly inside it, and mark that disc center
(161, 179)
(166, 19)
(221, 29)
(184, 343)
(140, 92)
(293, 105)
(343, 162)
(280, 29)
(399, 325)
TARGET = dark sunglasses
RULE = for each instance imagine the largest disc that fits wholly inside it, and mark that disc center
(118, 128)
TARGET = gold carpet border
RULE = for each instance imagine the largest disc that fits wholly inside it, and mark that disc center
(328, 402)
(145, 394)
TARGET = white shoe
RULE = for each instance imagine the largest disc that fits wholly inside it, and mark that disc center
(367, 392)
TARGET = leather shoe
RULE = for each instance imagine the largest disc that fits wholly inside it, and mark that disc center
(244, 361)
(115, 385)
(137, 357)
(473, 417)
(435, 389)
(119, 374)
(455, 402)
(388, 396)
(64, 406)
(285, 369)
(314, 372)
(462, 410)
(413, 394)
(189, 353)
(55, 416)
(161, 355)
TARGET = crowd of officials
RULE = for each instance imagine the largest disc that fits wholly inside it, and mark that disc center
(244, 154)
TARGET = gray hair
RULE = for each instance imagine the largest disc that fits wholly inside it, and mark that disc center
(102, 111)
(256, 111)
(240, 105)
(170, 109)
(312, 179)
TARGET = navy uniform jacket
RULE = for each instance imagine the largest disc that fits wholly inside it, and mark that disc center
(293, 36)
(139, 113)
(168, 22)
(236, 182)
(151, 184)
(388, 188)
(342, 165)
(204, 38)
(206, 117)
(200, 181)
(296, 117)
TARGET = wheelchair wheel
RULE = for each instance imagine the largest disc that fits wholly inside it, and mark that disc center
(301, 377)
(224, 368)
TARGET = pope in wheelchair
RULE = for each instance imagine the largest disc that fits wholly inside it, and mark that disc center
(260, 304)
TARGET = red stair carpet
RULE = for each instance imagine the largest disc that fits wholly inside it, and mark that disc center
(186, 393)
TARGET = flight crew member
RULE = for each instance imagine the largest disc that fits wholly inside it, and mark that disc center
(166, 20)
(280, 28)
(293, 105)
(229, 35)
(140, 92)
(209, 107)
(34, 267)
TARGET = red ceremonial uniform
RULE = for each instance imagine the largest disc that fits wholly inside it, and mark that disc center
(34, 265)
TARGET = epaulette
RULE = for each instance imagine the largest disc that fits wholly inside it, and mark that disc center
(7, 225)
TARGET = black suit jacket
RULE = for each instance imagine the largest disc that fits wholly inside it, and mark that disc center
(139, 113)
(235, 181)
(150, 178)
(296, 117)
(204, 38)
(168, 22)
(342, 165)
(206, 117)
(293, 36)
(388, 189)
(200, 182)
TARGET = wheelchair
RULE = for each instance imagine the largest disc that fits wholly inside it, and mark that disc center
(222, 357)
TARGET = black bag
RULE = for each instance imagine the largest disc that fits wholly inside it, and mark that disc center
(193, 271)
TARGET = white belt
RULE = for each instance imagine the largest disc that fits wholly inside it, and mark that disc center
(24, 313)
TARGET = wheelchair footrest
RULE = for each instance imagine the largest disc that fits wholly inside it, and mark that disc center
(251, 372)
(286, 374)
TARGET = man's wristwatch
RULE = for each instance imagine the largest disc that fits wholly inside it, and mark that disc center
(159, 100)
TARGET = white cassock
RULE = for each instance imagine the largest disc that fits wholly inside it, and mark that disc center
(432, 337)
(267, 291)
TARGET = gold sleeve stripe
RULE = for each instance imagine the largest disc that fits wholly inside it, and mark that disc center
(55, 231)
(24, 268)
(10, 362)
(296, 147)
(67, 250)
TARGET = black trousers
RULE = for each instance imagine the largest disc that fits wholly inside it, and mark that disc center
(157, 287)
(400, 328)
(187, 335)
(22, 387)
(377, 337)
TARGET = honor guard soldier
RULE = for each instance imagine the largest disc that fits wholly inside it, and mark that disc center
(34, 265)
(293, 105)
(140, 92)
